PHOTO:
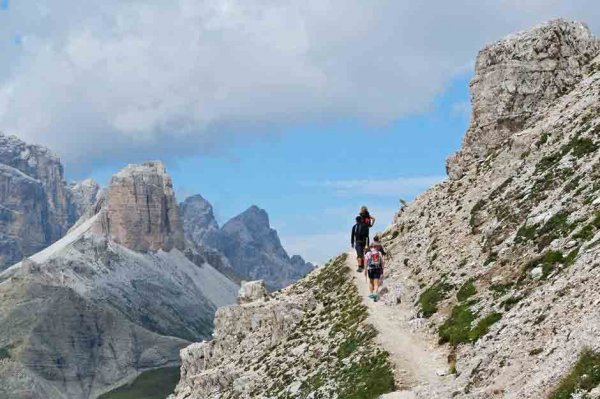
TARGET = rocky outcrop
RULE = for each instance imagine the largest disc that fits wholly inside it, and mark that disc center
(516, 79)
(254, 250)
(84, 195)
(100, 305)
(35, 204)
(251, 291)
(141, 211)
(307, 339)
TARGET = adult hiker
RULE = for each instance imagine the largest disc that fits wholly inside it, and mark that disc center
(366, 216)
(374, 269)
(359, 239)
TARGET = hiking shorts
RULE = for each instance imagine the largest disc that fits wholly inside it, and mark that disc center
(360, 249)
(375, 274)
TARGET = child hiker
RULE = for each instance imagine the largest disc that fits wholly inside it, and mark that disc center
(374, 269)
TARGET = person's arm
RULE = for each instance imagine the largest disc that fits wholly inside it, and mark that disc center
(383, 251)
(372, 220)
(352, 236)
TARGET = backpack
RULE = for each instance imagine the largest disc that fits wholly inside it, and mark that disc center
(362, 232)
(374, 260)
(367, 218)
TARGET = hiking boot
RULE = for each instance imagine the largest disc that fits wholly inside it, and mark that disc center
(372, 296)
(375, 297)
(360, 269)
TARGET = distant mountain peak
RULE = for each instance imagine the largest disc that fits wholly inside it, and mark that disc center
(141, 212)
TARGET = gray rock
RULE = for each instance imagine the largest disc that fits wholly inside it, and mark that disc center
(35, 204)
(516, 79)
(254, 250)
(251, 291)
(198, 218)
(84, 195)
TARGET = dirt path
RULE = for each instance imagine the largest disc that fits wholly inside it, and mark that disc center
(417, 359)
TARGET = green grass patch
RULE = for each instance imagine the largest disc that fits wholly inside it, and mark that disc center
(368, 379)
(508, 303)
(457, 327)
(467, 290)
(153, 384)
(483, 326)
(582, 146)
(526, 233)
(500, 289)
(431, 297)
(584, 376)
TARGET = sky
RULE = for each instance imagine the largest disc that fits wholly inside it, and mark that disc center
(307, 109)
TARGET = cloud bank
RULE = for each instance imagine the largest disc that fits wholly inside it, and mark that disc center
(116, 80)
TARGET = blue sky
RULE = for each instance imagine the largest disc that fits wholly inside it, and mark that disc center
(312, 178)
(308, 109)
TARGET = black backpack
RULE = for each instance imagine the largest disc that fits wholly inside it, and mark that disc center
(362, 232)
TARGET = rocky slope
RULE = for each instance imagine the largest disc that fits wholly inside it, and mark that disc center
(119, 294)
(306, 339)
(499, 264)
(254, 250)
(502, 260)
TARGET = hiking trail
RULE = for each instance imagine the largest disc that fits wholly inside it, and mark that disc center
(418, 361)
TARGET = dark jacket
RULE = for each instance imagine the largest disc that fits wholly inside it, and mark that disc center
(360, 233)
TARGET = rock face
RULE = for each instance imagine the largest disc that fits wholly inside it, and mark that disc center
(254, 250)
(35, 204)
(101, 305)
(290, 344)
(198, 218)
(141, 210)
(84, 195)
(515, 81)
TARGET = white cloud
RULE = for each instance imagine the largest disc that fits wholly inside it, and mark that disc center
(106, 80)
(401, 187)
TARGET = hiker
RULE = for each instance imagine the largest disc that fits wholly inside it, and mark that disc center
(359, 239)
(374, 270)
(367, 218)
(379, 245)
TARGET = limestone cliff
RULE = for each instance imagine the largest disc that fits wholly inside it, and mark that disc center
(35, 203)
(141, 211)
